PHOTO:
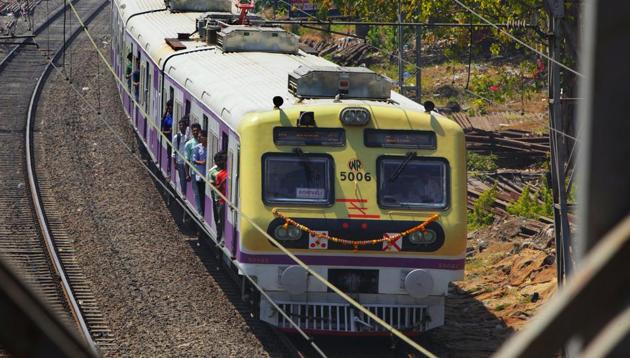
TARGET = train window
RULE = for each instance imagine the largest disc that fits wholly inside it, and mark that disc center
(187, 107)
(213, 145)
(389, 138)
(177, 111)
(204, 125)
(408, 182)
(304, 179)
(147, 86)
(140, 92)
(171, 95)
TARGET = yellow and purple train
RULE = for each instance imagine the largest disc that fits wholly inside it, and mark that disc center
(329, 160)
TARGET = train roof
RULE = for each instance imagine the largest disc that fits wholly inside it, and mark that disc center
(230, 83)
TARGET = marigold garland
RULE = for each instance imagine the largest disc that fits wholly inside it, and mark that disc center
(288, 221)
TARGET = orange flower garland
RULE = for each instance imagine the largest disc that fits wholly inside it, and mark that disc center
(356, 244)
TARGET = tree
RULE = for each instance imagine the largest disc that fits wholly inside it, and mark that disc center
(497, 11)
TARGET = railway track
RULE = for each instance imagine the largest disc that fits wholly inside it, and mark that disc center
(32, 238)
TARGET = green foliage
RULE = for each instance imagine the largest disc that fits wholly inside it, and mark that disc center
(505, 84)
(524, 205)
(486, 40)
(481, 163)
(382, 38)
(481, 214)
(529, 206)
(546, 196)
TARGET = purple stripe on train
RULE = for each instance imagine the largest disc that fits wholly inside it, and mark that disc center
(408, 262)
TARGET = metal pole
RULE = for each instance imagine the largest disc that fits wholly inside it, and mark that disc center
(418, 54)
(561, 220)
(65, 6)
(401, 68)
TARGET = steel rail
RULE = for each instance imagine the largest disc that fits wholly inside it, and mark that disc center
(36, 195)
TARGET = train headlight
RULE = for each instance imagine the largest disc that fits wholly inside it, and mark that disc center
(355, 116)
(289, 233)
(420, 238)
(294, 233)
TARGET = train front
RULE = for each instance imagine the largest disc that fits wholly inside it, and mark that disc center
(369, 192)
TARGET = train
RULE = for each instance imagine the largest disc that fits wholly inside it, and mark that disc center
(364, 185)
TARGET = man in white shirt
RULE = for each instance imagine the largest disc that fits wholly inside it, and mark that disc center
(179, 144)
(200, 154)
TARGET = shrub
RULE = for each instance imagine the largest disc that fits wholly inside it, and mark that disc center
(481, 163)
(527, 205)
(481, 213)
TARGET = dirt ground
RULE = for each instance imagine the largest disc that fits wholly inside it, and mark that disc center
(508, 278)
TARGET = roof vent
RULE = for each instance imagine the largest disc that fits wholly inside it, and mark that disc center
(199, 5)
(347, 82)
(241, 38)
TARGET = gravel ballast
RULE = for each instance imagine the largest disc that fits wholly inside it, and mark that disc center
(154, 290)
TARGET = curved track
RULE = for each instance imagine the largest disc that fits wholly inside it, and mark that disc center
(31, 238)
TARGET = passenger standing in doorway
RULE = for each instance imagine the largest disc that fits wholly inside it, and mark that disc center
(189, 147)
(179, 142)
(166, 127)
(129, 70)
(200, 154)
(135, 77)
(220, 159)
(220, 182)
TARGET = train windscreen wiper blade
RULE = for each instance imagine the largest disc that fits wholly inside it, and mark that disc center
(305, 162)
(402, 166)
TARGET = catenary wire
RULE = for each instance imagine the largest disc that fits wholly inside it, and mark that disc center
(297, 260)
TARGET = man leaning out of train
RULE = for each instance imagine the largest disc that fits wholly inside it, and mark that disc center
(217, 176)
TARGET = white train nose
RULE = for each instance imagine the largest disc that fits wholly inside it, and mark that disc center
(419, 283)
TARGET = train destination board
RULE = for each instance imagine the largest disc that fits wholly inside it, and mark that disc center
(335, 137)
(391, 138)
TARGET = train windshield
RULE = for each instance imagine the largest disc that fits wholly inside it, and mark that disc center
(297, 179)
(412, 183)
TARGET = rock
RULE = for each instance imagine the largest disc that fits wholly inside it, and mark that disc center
(470, 251)
(482, 245)
(549, 260)
(547, 274)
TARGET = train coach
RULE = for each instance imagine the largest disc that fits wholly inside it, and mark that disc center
(364, 185)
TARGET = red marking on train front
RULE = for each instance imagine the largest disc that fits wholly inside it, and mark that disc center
(363, 216)
(362, 209)
(351, 200)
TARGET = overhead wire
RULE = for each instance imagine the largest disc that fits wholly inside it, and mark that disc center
(281, 247)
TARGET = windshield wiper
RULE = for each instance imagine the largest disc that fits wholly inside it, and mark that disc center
(402, 166)
(308, 168)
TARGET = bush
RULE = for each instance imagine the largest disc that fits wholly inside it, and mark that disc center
(527, 205)
(481, 163)
(524, 205)
(481, 214)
